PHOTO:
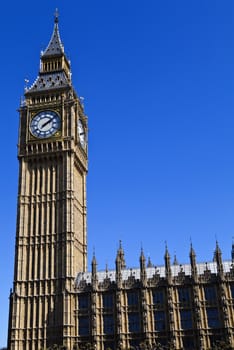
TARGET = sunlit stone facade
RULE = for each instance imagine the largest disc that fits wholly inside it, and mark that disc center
(177, 306)
(55, 302)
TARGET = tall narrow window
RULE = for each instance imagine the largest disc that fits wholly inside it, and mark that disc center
(210, 294)
(132, 298)
(83, 301)
(213, 317)
(186, 319)
(158, 297)
(107, 301)
(159, 321)
(184, 295)
(108, 324)
(83, 325)
(188, 343)
(133, 322)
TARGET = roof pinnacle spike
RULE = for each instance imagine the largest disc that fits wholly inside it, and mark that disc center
(55, 46)
(142, 251)
(232, 251)
(175, 262)
(56, 16)
(142, 256)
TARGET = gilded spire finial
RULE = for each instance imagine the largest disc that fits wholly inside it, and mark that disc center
(56, 16)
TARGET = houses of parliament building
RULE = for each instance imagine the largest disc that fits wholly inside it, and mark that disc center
(54, 299)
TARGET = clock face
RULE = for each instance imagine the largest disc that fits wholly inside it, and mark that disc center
(81, 133)
(45, 124)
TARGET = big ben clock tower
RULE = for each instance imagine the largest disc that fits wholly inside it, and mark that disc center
(51, 217)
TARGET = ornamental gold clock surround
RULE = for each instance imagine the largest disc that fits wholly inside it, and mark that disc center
(45, 124)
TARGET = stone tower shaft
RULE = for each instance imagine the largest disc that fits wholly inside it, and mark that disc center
(51, 243)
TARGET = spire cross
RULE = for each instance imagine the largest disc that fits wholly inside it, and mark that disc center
(56, 16)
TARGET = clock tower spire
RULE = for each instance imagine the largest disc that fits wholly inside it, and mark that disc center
(51, 243)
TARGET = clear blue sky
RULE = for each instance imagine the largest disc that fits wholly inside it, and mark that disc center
(158, 82)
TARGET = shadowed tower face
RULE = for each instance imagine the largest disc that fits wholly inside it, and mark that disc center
(51, 220)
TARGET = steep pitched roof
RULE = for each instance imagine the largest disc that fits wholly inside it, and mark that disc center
(55, 46)
(49, 81)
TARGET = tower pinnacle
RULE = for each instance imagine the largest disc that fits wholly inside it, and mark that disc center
(55, 46)
(56, 16)
(55, 69)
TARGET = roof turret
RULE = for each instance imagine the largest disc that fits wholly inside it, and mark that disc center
(119, 265)
(167, 260)
(120, 256)
(149, 262)
(94, 272)
(175, 261)
(143, 268)
(218, 259)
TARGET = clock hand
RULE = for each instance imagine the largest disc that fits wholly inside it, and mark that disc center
(46, 123)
